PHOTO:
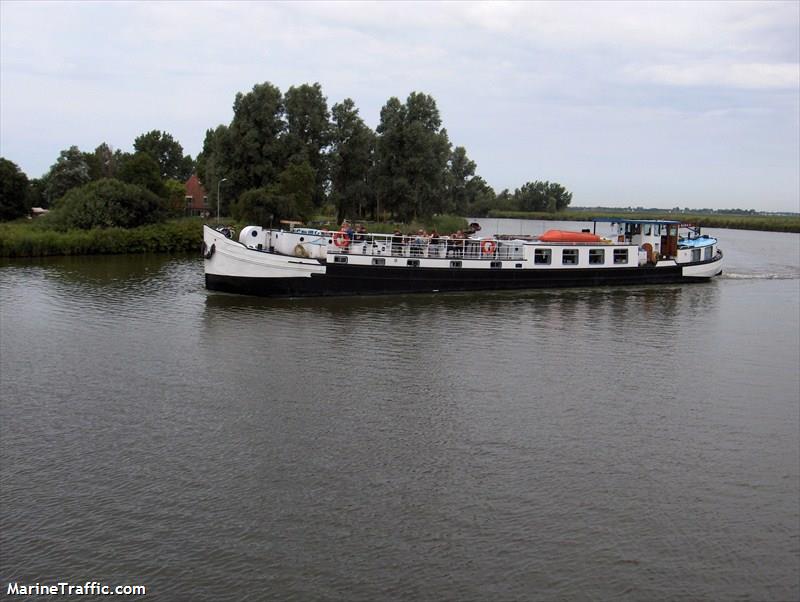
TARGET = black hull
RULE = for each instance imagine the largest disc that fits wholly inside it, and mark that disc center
(349, 280)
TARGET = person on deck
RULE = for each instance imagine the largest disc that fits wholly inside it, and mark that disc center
(433, 244)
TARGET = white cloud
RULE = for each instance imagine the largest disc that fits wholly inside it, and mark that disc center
(735, 75)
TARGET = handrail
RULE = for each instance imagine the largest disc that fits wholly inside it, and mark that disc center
(422, 247)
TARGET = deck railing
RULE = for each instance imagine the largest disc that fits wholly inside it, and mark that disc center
(423, 247)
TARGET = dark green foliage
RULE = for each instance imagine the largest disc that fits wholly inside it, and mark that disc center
(104, 162)
(411, 159)
(14, 199)
(308, 132)
(542, 196)
(70, 170)
(460, 171)
(34, 239)
(167, 153)
(213, 163)
(143, 171)
(480, 198)
(108, 203)
(290, 199)
(351, 160)
(35, 197)
(253, 152)
(176, 198)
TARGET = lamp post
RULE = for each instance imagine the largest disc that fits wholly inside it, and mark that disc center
(218, 185)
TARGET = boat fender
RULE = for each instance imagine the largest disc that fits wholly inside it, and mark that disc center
(300, 251)
(207, 253)
(488, 246)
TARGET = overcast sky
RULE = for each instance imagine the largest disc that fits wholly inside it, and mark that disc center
(633, 103)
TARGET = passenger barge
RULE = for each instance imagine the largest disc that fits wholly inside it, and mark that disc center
(305, 262)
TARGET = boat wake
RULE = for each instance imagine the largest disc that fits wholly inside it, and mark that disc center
(760, 276)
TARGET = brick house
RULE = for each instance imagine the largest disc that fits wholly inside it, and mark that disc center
(196, 198)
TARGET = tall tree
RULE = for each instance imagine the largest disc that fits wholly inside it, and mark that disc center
(542, 196)
(460, 170)
(479, 197)
(13, 191)
(104, 162)
(142, 170)
(69, 171)
(256, 152)
(412, 154)
(353, 145)
(308, 132)
(167, 152)
(289, 198)
(36, 196)
(211, 164)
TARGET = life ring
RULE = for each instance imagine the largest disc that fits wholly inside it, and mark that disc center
(340, 239)
(207, 253)
(488, 246)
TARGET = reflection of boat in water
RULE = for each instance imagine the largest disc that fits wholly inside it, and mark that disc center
(303, 262)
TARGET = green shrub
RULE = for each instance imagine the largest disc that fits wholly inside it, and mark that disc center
(108, 203)
(29, 239)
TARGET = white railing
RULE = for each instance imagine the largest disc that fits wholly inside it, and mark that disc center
(423, 247)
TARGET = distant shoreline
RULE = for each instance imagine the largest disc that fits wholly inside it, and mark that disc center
(766, 223)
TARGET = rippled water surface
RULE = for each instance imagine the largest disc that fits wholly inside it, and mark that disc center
(639, 443)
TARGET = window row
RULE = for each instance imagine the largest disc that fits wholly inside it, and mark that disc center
(572, 256)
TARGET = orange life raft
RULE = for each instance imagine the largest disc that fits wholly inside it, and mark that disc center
(567, 236)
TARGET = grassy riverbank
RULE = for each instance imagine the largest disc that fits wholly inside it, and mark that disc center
(34, 239)
(768, 223)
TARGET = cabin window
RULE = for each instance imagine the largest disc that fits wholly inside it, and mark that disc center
(620, 256)
(519, 265)
(708, 252)
(496, 265)
(542, 256)
(339, 259)
(455, 264)
(597, 256)
(569, 257)
(695, 254)
(378, 261)
(413, 263)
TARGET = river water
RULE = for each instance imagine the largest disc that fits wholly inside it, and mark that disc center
(585, 444)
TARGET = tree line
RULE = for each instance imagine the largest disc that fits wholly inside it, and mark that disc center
(282, 156)
(105, 187)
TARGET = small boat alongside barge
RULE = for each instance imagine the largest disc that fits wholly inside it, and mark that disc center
(307, 262)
